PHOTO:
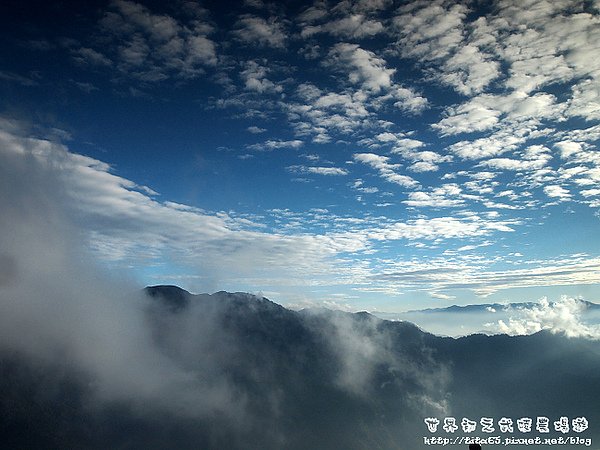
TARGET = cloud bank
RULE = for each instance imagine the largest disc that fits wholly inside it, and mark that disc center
(563, 316)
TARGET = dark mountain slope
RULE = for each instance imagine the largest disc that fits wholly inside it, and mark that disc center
(259, 376)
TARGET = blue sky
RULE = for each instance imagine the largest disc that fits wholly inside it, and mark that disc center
(367, 154)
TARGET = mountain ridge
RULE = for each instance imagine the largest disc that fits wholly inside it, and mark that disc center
(259, 376)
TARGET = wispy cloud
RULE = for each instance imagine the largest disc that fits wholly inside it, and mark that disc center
(446, 275)
(277, 144)
(353, 26)
(318, 170)
(256, 30)
(385, 169)
(256, 130)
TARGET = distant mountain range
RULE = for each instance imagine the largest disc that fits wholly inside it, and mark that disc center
(485, 307)
(272, 378)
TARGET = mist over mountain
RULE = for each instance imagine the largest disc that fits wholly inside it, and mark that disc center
(259, 376)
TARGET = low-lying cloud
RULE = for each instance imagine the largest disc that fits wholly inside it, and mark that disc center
(58, 307)
(563, 316)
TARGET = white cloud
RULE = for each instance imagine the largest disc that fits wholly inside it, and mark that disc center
(323, 114)
(533, 158)
(400, 142)
(277, 144)
(429, 30)
(447, 195)
(569, 148)
(444, 274)
(160, 27)
(32, 80)
(485, 112)
(314, 13)
(201, 50)
(408, 100)
(319, 170)
(531, 73)
(439, 228)
(85, 55)
(556, 191)
(254, 30)
(506, 139)
(256, 130)
(563, 316)
(441, 296)
(359, 186)
(255, 79)
(423, 166)
(361, 6)
(124, 224)
(474, 115)
(555, 45)
(421, 161)
(390, 137)
(151, 47)
(540, 43)
(513, 164)
(353, 26)
(308, 91)
(437, 35)
(258, 4)
(352, 105)
(386, 170)
(469, 70)
(367, 69)
(590, 192)
(586, 99)
(405, 99)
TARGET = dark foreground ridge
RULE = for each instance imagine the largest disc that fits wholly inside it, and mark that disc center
(260, 376)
